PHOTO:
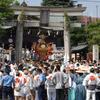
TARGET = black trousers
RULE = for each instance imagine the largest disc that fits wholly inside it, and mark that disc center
(66, 94)
(59, 94)
(97, 95)
(41, 93)
(0, 93)
(7, 92)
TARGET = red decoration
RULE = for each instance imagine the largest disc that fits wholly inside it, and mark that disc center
(92, 78)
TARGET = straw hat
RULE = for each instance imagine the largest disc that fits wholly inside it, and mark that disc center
(80, 71)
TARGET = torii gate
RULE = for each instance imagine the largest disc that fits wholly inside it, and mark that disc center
(50, 18)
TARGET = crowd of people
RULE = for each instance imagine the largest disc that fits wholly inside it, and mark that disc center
(49, 80)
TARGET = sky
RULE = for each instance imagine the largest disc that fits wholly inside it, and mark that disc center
(93, 6)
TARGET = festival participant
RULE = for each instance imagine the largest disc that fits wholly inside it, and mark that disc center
(41, 85)
(32, 90)
(80, 93)
(1, 74)
(98, 90)
(90, 82)
(18, 85)
(58, 78)
(26, 87)
(71, 90)
(73, 74)
(13, 71)
(67, 81)
(36, 83)
(8, 82)
(45, 73)
(50, 86)
(98, 84)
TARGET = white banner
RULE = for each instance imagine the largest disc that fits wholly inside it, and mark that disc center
(96, 53)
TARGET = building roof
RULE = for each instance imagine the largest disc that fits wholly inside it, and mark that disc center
(79, 47)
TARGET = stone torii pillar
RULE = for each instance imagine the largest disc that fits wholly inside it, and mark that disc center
(19, 37)
(66, 39)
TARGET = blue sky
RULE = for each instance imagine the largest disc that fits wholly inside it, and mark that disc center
(33, 2)
(93, 6)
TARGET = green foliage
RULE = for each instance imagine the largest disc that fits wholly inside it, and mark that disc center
(2, 33)
(78, 35)
(21, 17)
(93, 30)
(16, 3)
(67, 20)
(5, 11)
(58, 3)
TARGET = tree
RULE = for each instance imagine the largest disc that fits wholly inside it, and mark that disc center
(93, 30)
(5, 14)
(5, 11)
(78, 35)
(16, 3)
(58, 3)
